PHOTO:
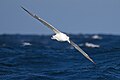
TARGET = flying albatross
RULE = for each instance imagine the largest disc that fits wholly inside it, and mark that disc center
(59, 36)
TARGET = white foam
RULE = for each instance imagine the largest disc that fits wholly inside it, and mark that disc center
(91, 45)
(81, 44)
(26, 44)
(3, 45)
(96, 36)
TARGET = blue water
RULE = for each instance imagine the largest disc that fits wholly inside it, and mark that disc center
(46, 59)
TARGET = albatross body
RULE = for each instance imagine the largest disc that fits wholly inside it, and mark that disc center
(59, 36)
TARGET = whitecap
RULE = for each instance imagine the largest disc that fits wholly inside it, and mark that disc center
(91, 45)
(3, 45)
(96, 37)
(26, 44)
(81, 44)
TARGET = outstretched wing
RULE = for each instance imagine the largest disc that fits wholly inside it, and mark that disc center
(42, 21)
(80, 50)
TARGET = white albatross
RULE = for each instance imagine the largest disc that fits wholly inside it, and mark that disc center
(59, 36)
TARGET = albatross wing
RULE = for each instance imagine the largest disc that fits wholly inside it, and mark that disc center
(57, 31)
(80, 50)
(42, 21)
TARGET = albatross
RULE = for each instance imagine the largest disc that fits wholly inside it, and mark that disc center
(59, 36)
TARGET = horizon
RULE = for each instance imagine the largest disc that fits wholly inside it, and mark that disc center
(65, 33)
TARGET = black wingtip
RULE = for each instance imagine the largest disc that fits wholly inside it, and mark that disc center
(24, 9)
(21, 6)
(91, 60)
(27, 11)
(94, 62)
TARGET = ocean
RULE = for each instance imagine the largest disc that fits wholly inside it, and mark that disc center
(37, 57)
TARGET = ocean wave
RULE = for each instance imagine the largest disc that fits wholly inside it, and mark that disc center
(96, 37)
(26, 44)
(91, 45)
(39, 58)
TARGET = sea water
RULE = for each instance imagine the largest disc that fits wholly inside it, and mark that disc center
(37, 57)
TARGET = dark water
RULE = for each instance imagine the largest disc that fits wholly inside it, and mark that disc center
(33, 57)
